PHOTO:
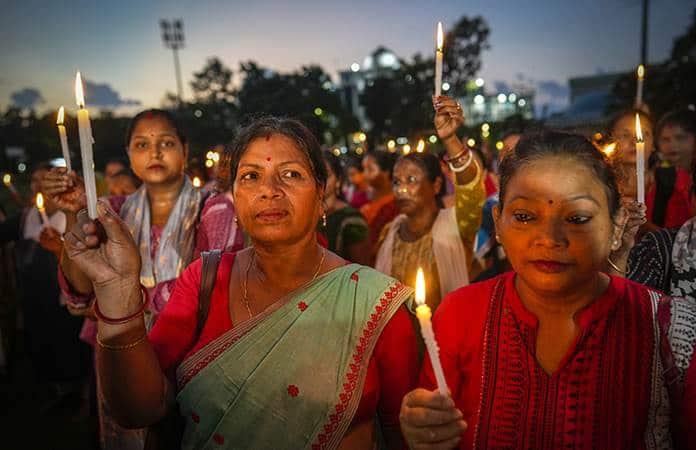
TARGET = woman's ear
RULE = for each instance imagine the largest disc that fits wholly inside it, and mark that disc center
(496, 222)
(438, 186)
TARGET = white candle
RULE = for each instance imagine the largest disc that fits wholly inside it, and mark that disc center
(438, 60)
(640, 162)
(86, 141)
(639, 85)
(7, 181)
(42, 209)
(63, 138)
(423, 313)
(196, 182)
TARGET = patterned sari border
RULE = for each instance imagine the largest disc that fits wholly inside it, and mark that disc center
(329, 434)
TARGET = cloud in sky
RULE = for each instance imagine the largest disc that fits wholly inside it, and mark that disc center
(27, 98)
(103, 95)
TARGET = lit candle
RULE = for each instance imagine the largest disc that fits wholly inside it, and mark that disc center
(438, 60)
(640, 162)
(609, 149)
(42, 209)
(7, 181)
(639, 85)
(196, 182)
(421, 146)
(423, 313)
(63, 138)
(86, 141)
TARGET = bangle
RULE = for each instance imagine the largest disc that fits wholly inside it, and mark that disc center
(463, 167)
(615, 267)
(449, 159)
(135, 343)
(122, 320)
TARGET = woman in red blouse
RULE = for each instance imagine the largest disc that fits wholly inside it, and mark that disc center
(557, 354)
(297, 348)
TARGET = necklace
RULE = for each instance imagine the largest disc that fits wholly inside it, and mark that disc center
(245, 298)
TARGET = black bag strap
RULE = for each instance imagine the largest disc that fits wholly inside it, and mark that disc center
(211, 261)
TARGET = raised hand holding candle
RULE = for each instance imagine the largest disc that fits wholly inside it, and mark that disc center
(640, 162)
(86, 141)
(63, 138)
(639, 85)
(42, 209)
(423, 313)
(438, 60)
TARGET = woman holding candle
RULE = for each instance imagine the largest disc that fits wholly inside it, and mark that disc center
(557, 354)
(171, 222)
(665, 207)
(307, 337)
(425, 234)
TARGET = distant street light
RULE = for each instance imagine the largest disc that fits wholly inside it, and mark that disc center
(173, 38)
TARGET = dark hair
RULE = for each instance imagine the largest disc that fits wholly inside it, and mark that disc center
(385, 160)
(291, 129)
(334, 163)
(161, 113)
(628, 113)
(430, 164)
(353, 162)
(683, 118)
(559, 144)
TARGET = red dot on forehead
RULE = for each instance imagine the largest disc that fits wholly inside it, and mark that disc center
(550, 202)
(268, 158)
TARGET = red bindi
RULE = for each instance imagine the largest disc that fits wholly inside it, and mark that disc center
(268, 159)
(550, 202)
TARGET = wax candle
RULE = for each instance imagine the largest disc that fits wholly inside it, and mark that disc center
(423, 313)
(196, 182)
(42, 209)
(7, 181)
(640, 162)
(86, 141)
(639, 85)
(438, 60)
(63, 138)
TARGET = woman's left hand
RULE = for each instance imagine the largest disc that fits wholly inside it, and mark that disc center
(51, 240)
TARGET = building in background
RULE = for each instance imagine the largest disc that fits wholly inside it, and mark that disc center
(480, 106)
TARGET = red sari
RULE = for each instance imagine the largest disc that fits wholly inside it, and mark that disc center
(609, 391)
(390, 374)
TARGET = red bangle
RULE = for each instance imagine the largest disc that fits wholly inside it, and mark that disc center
(135, 315)
(451, 159)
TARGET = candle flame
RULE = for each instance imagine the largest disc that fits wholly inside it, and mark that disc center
(421, 146)
(641, 72)
(639, 132)
(420, 287)
(196, 182)
(440, 37)
(7, 179)
(61, 114)
(39, 201)
(79, 94)
(609, 149)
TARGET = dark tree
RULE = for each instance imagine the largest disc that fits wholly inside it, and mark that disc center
(463, 47)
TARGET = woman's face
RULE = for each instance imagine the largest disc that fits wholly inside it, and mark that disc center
(156, 154)
(555, 225)
(677, 145)
(275, 193)
(412, 188)
(373, 173)
(355, 176)
(625, 134)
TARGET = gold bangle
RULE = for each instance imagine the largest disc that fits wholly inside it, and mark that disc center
(614, 266)
(140, 340)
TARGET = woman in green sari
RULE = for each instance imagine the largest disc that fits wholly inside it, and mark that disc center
(299, 350)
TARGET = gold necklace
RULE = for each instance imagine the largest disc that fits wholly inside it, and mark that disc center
(252, 259)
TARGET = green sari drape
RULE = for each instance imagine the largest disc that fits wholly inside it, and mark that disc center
(291, 377)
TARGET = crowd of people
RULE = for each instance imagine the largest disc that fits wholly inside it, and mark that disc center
(274, 308)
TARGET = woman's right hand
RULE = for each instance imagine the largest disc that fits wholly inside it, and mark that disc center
(112, 264)
(430, 420)
(65, 189)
